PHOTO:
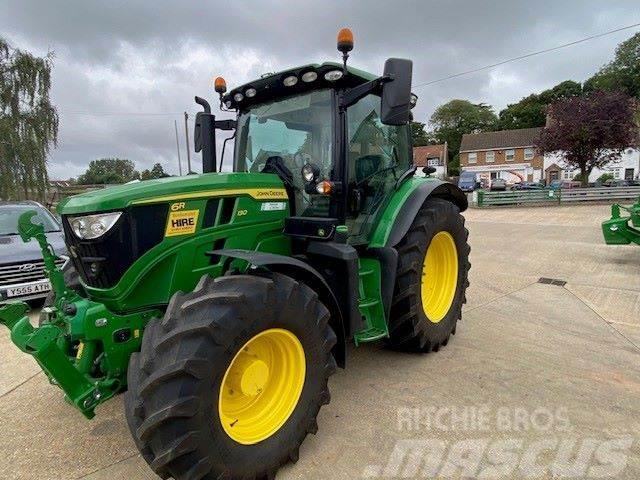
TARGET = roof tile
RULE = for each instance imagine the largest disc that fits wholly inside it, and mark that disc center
(523, 137)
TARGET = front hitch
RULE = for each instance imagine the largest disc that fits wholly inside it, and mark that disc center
(81, 346)
(42, 343)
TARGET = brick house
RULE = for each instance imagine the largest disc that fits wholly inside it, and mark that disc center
(431, 156)
(507, 154)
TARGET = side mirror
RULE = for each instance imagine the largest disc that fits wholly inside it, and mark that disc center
(204, 136)
(395, 107)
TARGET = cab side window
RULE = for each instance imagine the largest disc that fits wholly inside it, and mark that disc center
(377, 155)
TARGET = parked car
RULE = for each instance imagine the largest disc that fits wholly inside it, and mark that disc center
(564, 184)
(467, 182)
(498, 184)
(529, 186)
(22, 275)
(617, 183)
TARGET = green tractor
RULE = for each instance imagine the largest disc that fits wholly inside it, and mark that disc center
(622, 229)
(222, 303)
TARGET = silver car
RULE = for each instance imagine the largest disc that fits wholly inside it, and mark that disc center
(22, 275)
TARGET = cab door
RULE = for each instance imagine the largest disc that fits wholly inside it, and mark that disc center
(377, 157)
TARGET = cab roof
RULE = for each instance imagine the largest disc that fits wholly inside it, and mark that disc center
(271, 86)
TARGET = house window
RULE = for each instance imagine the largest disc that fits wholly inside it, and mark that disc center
(490, 156)
(473, 157)
(509, 155)
(433, 162)
(567, 175)
(529, 153)
(616, 173)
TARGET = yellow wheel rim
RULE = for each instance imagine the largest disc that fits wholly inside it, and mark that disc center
(439, 276)
(262, 386)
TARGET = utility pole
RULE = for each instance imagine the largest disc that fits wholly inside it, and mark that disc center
(186, 132)
(175, 124)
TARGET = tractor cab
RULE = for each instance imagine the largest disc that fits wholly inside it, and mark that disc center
(338, 137)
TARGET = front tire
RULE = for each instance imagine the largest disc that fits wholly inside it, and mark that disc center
(432, 278)
(230, 382)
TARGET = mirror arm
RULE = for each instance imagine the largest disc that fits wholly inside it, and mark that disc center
(225, 125)
(356, 93)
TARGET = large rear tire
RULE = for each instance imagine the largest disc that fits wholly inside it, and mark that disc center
(432, 278)
(229, 383)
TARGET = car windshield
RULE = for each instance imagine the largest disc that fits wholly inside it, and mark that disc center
(298, 129)
(9, 215)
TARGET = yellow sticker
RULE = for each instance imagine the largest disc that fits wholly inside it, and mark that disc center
(182, 222)
(80, 350)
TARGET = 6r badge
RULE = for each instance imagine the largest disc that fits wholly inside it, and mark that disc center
(182, 222)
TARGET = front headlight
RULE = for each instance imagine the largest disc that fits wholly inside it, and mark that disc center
(310, 172)
(89, 227)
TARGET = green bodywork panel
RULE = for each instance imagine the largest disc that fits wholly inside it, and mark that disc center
(178, 262)
(164, 189)
(622, 230)
(393, 209)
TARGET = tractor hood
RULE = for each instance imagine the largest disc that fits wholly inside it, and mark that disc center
(257, 185)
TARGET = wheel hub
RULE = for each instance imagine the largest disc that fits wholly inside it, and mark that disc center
(262, 386)
(249, 375)
(439, 276)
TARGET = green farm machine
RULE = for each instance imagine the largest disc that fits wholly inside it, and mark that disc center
(622, 229)
(221, 303)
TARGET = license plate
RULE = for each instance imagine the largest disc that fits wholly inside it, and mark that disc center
(31, 289)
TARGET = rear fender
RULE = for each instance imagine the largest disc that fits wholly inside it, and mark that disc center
(405, 204)
(303, 272)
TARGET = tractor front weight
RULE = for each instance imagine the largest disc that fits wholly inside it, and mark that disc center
(80, 345)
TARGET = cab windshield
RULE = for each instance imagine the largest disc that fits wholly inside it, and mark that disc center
(299, 130)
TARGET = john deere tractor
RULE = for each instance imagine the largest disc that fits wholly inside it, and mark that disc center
(222, 303)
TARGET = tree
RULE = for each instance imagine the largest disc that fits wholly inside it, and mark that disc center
(28, 122)
(109, 170)
(530, 111)
(453, 167)
(457, 117)
(622, 73)
(156, 172)
(419, 135)
(590, 131)
(604, 177)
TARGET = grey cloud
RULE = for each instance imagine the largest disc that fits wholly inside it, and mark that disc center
(136, 56)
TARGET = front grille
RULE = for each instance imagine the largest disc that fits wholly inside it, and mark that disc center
(24, 272)
(138, 230)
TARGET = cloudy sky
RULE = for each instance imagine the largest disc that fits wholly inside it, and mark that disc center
(125, 70)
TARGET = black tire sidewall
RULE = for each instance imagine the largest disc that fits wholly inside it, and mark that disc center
(444, 222)
(238, 455)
